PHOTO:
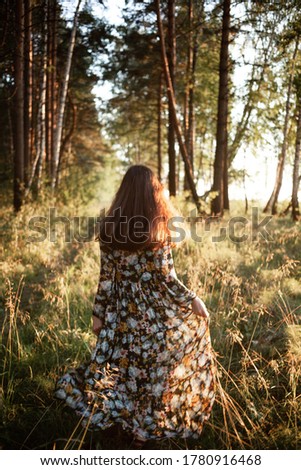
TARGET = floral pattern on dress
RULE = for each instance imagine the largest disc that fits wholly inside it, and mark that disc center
(152, 369)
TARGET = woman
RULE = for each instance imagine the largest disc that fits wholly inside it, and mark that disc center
(152, 368)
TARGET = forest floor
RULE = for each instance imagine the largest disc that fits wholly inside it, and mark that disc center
(252, 289)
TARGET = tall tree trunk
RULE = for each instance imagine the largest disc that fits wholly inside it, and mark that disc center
(159, 127)
(41, 153)
(296, 178)
(5, 24)
(62, 103)
(51, 84)
(226, 185)
(171, 97)
(28, 95)
(11, 132)
(48, 115)
(188, 88)
(19, 107)
(40, 126)
(171, 124)
(54, 94)
(189, 114)
(272, 202)
(221, 152)
(69, 134)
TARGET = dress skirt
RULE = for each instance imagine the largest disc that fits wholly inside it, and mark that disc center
(152, 369)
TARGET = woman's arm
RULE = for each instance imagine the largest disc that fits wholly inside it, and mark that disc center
(181, 294)
(97, 325)
(199, 308)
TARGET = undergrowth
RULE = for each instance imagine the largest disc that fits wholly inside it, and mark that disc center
(252, 290)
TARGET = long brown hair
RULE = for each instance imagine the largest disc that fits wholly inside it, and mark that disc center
(139, 214)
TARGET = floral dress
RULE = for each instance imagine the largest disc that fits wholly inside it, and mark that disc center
(152, 369)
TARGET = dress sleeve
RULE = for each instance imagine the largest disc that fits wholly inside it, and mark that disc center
(105, 285)
(177, 290)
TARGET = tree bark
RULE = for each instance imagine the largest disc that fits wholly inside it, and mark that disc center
(42, 110)
(19, 108)
(40, 125)
(54, 94)
(48, 114)
(221, 153)
(51, 84)
(189, 113)
(272, 202)
(5, 23)
(172, 100)
(226, 185)
(62, 102)
(159, 127)
(171, 35)
(28, 95)
(69, 134)
(296, 179)
(188, 92)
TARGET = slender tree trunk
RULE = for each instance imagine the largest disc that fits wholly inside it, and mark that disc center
(272, 202)
(30, 91)
(48, 114)
(171, 125)
(226, 185)
(27, 90)
(296, 179)
(189, 114)
(51, 85)
(19, 108)
(54, 94)
(159, 126)
(42, 125)
(62, 103)
(69, 134)
(221, 152)
(171, 97)
(5, 23)
(188, 87)
(41, 153)
(40, 137)
(11, 132)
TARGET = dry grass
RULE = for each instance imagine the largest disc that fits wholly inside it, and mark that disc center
(253, 294)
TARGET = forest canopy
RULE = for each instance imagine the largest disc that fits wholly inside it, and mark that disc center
(194, 86)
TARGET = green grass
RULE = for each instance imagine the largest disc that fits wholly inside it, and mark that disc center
(252, 291)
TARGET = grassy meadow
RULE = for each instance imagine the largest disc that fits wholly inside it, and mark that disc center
(252, 290)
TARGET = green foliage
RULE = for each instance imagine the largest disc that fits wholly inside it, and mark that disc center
(133, 68)
(83, 142)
